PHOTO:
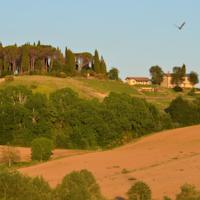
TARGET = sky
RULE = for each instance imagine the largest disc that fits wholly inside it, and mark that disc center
(132, 35)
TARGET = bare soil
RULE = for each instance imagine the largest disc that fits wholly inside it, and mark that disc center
(165, 161)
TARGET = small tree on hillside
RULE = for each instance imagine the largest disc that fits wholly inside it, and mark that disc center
(70, 61)
(10, 155)
(25, 59)
(41, 149)
(139, 191)
(156, 75)
(113, 74)
(193, 77)
(103, 67)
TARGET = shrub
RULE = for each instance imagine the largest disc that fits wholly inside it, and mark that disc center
(78, 186)
(10, 155)
(14, 186)
(139, 190)
(178, 89)
(41, 149)
(188, 192)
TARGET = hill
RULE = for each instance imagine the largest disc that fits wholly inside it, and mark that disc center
(92, 88)
(165, 161)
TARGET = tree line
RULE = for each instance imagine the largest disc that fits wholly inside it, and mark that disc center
(78, 185)
(46, 59)
(72, 122)
(178, 75)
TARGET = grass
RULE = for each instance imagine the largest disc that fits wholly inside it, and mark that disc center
(93, 88)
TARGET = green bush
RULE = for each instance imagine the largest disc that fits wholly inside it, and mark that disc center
(78, 186)
(188, 192)
(41, 149)
(178, 89)
(14, 186)
(139, 191)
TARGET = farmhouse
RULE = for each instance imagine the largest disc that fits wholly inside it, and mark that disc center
(167, 81)
(138, 81)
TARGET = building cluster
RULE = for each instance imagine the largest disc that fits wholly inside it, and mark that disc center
(167, 81)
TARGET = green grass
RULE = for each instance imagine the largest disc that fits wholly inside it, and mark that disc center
(94, 88)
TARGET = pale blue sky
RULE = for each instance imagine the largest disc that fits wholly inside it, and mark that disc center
(131, 34)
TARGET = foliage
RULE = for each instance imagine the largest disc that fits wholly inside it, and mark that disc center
(178, 75)
(41, 149)
(156, 75)
(188, 192)
(70, 66)
(139, 190)
(178, 89)
(193, 77)
(184, 112)
(14, 186)
(78, 186)
(96, 64)
(113, 74)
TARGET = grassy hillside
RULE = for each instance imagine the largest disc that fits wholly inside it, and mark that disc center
(92, 88)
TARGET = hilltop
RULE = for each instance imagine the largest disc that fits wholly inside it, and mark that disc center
(93, 88)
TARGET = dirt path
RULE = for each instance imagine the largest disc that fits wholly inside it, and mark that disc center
(165, 161)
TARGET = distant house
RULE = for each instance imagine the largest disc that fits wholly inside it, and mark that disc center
(138, 81)
(167, 81)
(83, 60)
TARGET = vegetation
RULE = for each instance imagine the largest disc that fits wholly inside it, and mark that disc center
(113, 74)
(156, 75)
(193, 77)
(41, 149)
(72, 122)
(139, 190)
(75, 186)
(178, 75)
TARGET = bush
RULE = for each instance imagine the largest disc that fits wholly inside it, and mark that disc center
(178, 89)
(79, 186)
(41, 149)
(188, 192)
(139, 190)
(14, 186)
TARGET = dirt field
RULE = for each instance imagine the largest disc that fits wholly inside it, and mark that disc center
(165, 161)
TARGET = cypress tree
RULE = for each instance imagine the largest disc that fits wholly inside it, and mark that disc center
(25, 62)
(103, 67)
(96, 64)
(70, 61)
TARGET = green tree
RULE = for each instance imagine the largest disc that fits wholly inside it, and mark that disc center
(78, 186)
(70, 62)
(156, 75)
(178, 75)
(193, 78)
(103, 67)
(113, 74)
(188, 192)
(97, 64)
(139, 191)
(25, 61)
(41, 149)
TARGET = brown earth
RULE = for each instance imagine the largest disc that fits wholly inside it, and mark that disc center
(165, 161)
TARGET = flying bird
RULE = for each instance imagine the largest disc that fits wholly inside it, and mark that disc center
(181, 26)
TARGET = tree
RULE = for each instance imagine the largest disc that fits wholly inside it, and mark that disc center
(41, 149)
(139, 191)
(25, 62)
(70, 62)
(193, 78)
(103, 67)
(188, 192)
(156, 75)
(97, 64)
(113, 74)
(178, 75)
(79, 186)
